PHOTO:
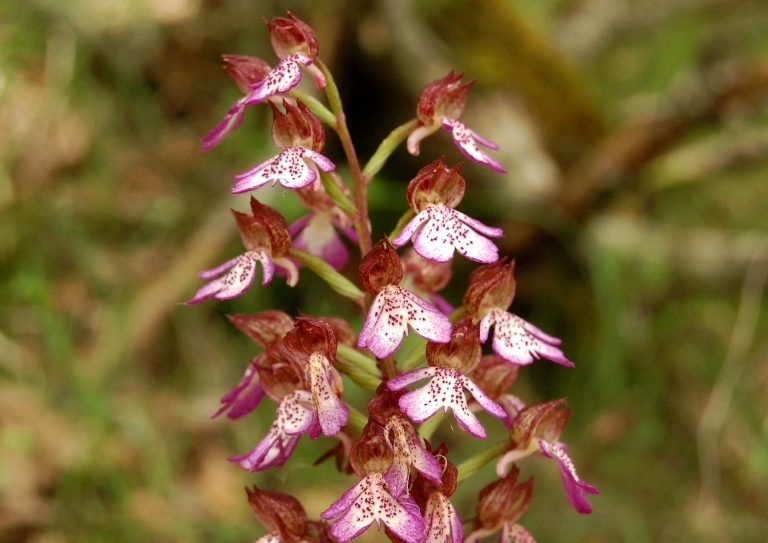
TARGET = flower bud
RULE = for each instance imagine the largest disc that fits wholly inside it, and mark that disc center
(462, 352)
(380, 267)
(542, 421)
(436, 184)
(503, 501)
(494, 375)
(426, 275)
(371, 453)
(297, 127)
(265, 228)
(309, 336)
(280, 513)
(444, 97)
(292, 35)
(423, 487)
(246, 70)
(490, 286)
(265, 328)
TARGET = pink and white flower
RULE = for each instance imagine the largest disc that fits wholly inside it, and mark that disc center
(519, 341)
(293, 418)
(438, 230)
(466, 140)
(392, 311)
(289, 168)
(445, 390)
(369, 501)
(316, 234)
(330, 414)
(240, 272)
(282, 78)
(575, 488)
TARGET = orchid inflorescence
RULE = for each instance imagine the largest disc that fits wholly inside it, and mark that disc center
(402, 480)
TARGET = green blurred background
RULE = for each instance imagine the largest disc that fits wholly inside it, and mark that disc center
(636, 137)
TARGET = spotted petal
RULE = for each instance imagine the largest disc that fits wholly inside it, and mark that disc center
(231, 121)
(518, 341)
(438, 230)
(367, 502)
(575, 488)
(330, 413)
(280, 79)
(466, 140)
(242, 270)
(245, 397)
(445, 390)
(288, 168)
(395, 308)
(291, 420)
(443, 523)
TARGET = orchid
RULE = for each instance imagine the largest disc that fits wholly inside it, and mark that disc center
(240, 272)
(292, 419)
(537, 428)
(444, 390)
(438, 230)
(289, 168)
(369, 501)
(518, 341)
(402, 480)
(392, 311)
(440, 105)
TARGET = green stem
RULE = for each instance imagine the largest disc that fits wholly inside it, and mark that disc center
(387, 147)
(481, 459)
(360, 187)
(325, 271)
(315, 106)
(356, 420)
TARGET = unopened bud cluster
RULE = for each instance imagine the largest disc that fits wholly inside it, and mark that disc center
(399, 479)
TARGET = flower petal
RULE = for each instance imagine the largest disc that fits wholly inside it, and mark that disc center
(288, 168)
(393, 309)
(291, 420)
(242, 270)
(514, 533)
(518, 341)
(575, 488)
(282, 78)
(438, 230)
(368, 501)
(443, 524)
(466, 140)
(245, 397)
(231, 121)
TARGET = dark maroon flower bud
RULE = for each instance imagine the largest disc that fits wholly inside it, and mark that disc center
(371, 453)
(265, 228)
(292, 35)
(246, 70)
(380, 267)
(436, 184)
(297, 127)
(543, 421)
(490, 286)
(462, 352)
(494, 375)
(309, 336)
(445, 97)
(280, 513)
(503, 501)
(265, 328)
(422, 487)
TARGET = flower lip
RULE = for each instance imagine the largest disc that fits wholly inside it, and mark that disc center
(391, 312)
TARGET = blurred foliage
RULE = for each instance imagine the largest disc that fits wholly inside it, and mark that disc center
(636, 135)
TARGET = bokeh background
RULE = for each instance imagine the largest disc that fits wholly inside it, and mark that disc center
(636, 137)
